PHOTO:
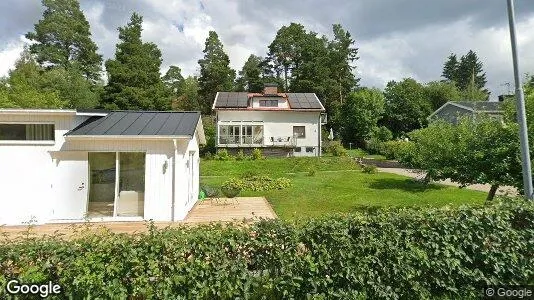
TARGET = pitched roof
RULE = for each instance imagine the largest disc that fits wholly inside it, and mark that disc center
(240, 100)
(139, 123)
(481, 106)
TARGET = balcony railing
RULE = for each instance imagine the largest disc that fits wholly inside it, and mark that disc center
(282, 141)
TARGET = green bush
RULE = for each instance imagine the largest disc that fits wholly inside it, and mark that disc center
(257, 154)
(208, 156)
(222, 154)
(369, 169)
(259, 183)
(392, 149)
(240, 155)
(231, 187)
(336, 149)
(402, 253)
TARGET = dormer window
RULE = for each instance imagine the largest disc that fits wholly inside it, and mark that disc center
(268, 103)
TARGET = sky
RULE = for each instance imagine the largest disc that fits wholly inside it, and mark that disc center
(396, 38)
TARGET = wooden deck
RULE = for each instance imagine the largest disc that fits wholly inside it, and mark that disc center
(206, 211)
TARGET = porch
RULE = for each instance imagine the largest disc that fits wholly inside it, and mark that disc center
(206, 211)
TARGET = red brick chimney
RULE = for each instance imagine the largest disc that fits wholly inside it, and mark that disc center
(270, 89)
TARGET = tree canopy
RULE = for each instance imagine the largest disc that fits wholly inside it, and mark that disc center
(215, 72)
(134, 74)
(406, 106)
(468, 74)
(63, 39)
(250, 76)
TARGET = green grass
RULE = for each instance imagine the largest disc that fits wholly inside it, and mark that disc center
(342, 191)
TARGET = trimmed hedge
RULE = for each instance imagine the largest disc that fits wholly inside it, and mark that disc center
(380, 253)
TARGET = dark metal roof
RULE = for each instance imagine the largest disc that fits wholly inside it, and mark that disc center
(303, 101)
(240, 100)
(139, 123)
(481, 105)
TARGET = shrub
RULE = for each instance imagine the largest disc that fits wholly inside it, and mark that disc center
(231, 187)
(402, 253)
(240, 155)
(223, 154)
(392, 149)
(260, 183)
(336, 149)
(208, 156)
(257, 154)
(369, 169)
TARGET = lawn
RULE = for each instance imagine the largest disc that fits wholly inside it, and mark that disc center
(338, 186)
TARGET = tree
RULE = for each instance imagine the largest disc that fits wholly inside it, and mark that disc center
(134, 77)
(450, 68)
(63, 38)
(481, 151)
(188, 98)
(468, 75)
(439, 93)
(360, 114)
(250, 76)
(215, 72)
(173, 79)
(406, 107)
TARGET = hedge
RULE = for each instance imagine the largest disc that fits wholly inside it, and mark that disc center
(383, 253)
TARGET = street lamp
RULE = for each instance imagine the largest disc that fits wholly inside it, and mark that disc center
(520, 105)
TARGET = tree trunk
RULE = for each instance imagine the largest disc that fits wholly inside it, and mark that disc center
(492, 192)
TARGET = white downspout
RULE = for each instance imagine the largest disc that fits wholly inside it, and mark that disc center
(175, 143)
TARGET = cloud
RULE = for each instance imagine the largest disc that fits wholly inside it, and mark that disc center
(396, 38)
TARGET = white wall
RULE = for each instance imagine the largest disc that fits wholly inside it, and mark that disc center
(158, 185)
(26, 170)
(279, 124)
(181, 205)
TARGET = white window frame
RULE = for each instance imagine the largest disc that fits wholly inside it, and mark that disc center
(242, 133)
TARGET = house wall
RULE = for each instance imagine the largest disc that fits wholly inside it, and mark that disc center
(158, 183)
(279, 124)
(26, 168)
(27, 172)
(452, 114)
(185, 199)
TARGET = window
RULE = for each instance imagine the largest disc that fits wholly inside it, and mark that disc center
(268, 103)
(299, 131)
(309, 149)
(26, 132)
(241, 134)
(297, 149)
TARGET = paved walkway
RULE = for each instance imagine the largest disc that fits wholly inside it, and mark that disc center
(209, 210)
(505, 190)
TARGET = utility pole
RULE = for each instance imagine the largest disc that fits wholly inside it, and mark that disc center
(520, 105)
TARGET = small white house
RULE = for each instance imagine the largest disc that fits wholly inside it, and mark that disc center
(281, 124)
(68, 165)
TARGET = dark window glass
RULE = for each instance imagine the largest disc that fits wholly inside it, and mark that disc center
(26, 132)
(299, 131)
(309, 149)
(269, 103)
(297, 149)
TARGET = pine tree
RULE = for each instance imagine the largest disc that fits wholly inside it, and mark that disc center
(250, 76)
(450, 68)
(215, 72)
(63, 38)
(134, 77)
(173, 79)
(470, 66)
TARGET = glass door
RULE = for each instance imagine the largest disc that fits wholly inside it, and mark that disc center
(102, 166)
(131, 189)
(117, 184)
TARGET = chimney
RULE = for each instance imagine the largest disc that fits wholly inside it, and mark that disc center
(270, 89)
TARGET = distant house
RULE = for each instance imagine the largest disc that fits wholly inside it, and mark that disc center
(281, 124)
(61, 165)
(452, 111)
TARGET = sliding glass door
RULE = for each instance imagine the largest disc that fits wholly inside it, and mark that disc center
(117, 184)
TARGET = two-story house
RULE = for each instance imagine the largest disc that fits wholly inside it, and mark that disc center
(281, 124)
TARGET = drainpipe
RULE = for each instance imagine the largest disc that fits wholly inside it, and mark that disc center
(320, 133)
(173, 179)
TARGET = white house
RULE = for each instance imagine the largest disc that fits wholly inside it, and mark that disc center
(281, 124)
(68, 165)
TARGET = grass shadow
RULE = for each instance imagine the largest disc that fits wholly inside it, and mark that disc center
(408, 185)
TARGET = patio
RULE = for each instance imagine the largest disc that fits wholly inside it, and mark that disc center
(206, 211)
